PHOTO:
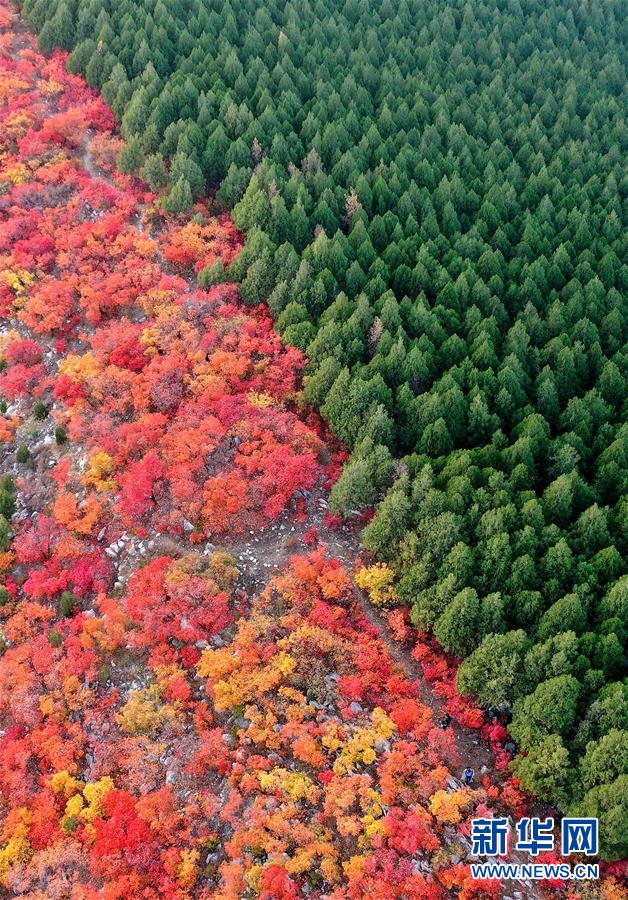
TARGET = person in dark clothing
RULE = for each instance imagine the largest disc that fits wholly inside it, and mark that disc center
(468, 775)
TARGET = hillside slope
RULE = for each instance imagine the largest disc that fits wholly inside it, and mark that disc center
(434, 201)
(169, 731)
(179, 721)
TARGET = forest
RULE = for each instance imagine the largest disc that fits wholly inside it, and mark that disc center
(416, 213)
(167, 730)
(432, 196)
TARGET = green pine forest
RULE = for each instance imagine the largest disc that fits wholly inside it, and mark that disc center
(433, 196)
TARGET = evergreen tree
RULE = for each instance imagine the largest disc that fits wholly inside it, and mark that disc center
(180, 197)
(154, 172)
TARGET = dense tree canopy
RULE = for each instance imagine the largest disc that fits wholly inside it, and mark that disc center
(432, 195)
(167, 732)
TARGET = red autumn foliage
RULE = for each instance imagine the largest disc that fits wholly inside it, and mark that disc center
(167, 732)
